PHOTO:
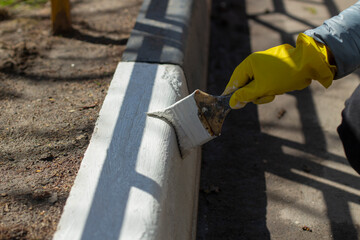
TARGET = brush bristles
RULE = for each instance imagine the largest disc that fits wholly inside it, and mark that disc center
(183, 116)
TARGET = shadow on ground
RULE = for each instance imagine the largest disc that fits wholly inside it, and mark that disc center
(233, 196)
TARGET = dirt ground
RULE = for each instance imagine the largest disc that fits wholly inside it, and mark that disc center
(51, 89)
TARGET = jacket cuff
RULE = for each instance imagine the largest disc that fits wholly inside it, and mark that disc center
(342, 35)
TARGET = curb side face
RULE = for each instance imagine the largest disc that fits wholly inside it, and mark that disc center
(131, 181)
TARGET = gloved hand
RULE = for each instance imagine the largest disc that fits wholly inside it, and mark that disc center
(264, 74)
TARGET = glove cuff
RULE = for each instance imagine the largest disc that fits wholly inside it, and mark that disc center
(320, 58)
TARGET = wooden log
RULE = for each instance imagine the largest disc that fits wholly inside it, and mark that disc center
(60, 16)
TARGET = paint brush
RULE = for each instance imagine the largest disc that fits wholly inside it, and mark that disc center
(196, 119)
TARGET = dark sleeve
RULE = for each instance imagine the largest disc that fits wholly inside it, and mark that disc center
(349, 129)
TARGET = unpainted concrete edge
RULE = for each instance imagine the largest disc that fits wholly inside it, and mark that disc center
(179, 36)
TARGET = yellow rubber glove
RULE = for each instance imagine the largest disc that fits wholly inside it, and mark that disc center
(278, 70)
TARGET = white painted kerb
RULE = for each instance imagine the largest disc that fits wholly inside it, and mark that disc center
(132, 183)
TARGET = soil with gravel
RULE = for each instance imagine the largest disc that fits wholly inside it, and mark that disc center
(51, 90)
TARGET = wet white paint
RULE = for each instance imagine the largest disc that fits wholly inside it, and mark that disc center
(132, 183)
(170, 76)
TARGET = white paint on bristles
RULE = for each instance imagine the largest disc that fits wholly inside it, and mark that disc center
(132, 182)
(184, 117)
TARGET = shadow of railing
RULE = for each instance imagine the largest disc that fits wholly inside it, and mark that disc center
(237, 163)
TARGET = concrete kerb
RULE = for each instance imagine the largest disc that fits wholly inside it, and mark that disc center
(132, 183)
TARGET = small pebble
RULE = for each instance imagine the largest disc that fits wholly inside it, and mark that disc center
(53, 198)
(306, 228)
